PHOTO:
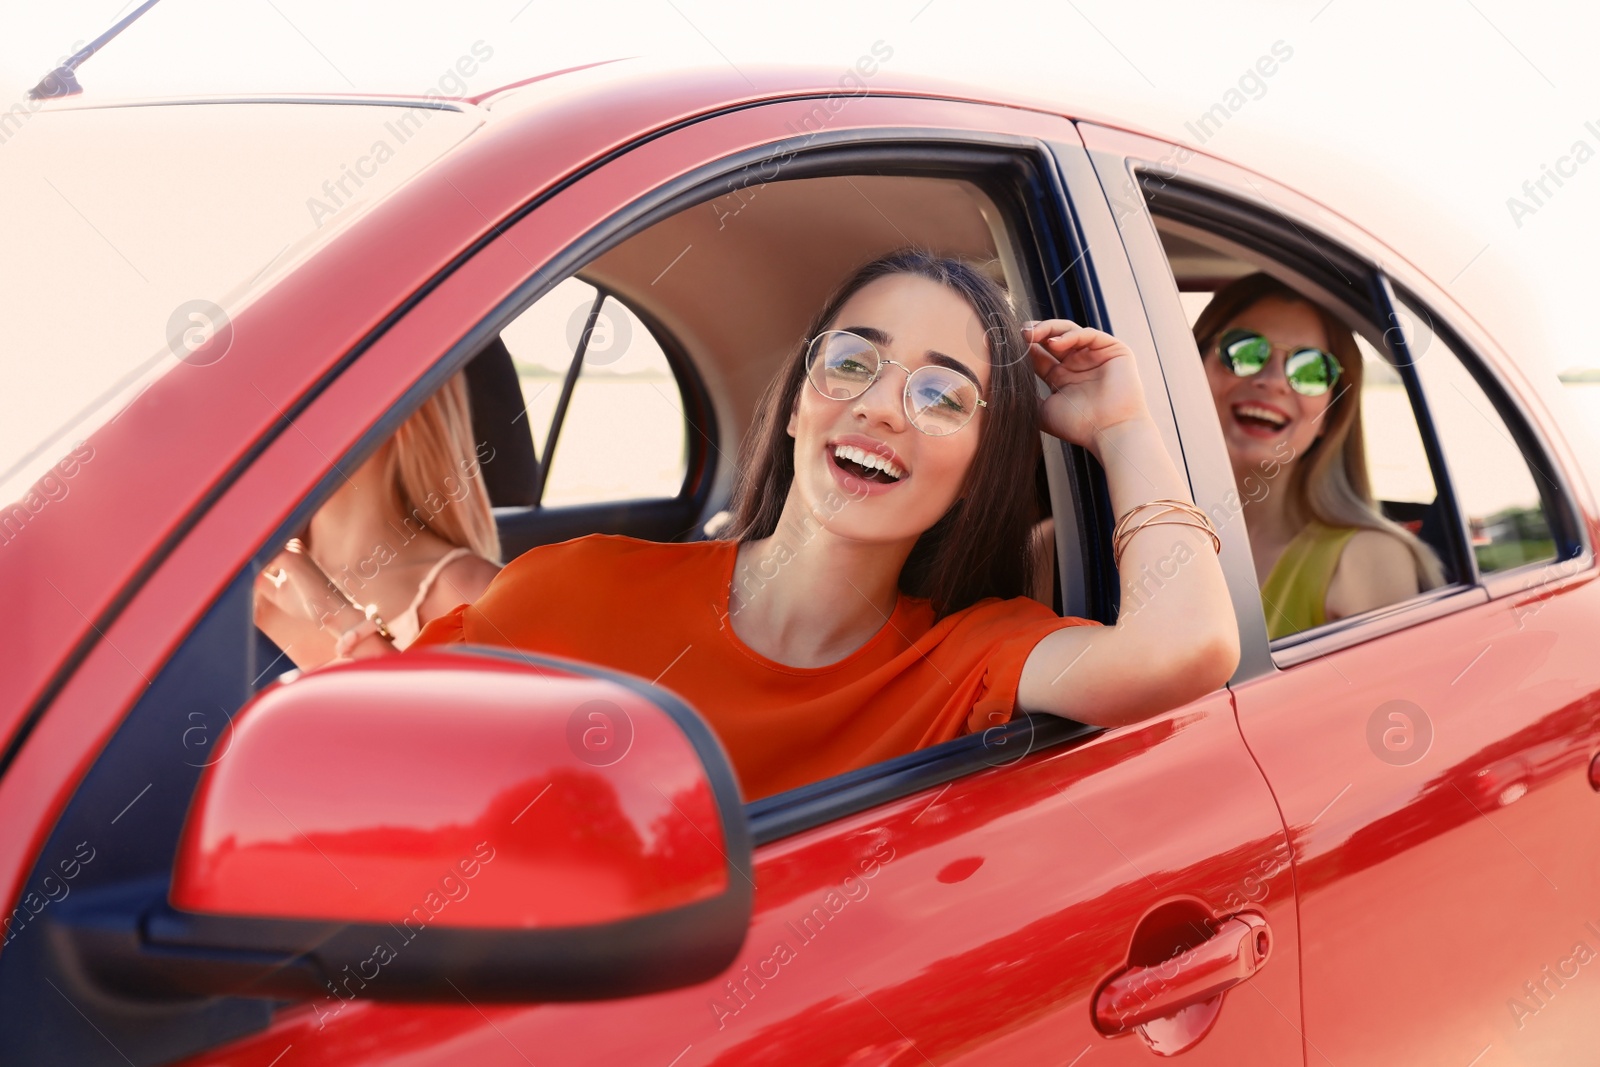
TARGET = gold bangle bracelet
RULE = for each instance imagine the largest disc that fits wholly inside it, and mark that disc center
(1164, 503)
(1117, 550)
(1125, 528)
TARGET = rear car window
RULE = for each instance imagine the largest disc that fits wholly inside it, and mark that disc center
(1497, 489)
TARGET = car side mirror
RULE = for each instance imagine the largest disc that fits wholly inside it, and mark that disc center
(478, 823)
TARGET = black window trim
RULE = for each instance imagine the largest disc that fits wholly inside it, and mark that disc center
(820, 803)
(569, 382)
(1227, 213)
(1404, 364)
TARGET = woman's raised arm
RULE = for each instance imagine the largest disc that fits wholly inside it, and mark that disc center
(1176, 637)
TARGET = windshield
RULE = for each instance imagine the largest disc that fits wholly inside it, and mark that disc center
(135, 232)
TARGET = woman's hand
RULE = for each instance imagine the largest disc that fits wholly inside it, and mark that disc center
(294, 585)
(1093, 378)
(297, 605)
(293, 599)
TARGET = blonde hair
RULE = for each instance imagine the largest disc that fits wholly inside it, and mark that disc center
(434, 472)
(1330, 482)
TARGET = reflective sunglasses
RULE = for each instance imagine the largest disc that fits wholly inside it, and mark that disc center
(1310, 371)
(938, 401)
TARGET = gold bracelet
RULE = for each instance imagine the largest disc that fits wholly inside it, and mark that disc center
(1121, 532)
(1124, 532)
(1216, 542)
(1120, 546)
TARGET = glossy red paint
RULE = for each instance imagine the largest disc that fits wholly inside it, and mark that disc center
(101, 689)
(1448, 853)
(970, 924)
(488, 795)
(1433, 776)
(298, 332)
(858, 947)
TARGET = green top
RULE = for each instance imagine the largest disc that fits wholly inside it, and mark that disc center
(1297, 588)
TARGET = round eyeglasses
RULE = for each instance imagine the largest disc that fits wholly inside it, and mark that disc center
(1309, 371)
(842, 365)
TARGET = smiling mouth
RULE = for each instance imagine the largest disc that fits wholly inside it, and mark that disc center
(865, 465)
(1259, 417)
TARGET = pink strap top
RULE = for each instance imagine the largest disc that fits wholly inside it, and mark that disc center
(407, 625)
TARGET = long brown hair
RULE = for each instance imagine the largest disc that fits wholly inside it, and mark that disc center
(979, 548)
(1329, 481)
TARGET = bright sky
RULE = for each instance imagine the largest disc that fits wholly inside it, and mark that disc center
(1423, 116)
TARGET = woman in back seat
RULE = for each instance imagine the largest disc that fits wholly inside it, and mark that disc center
(408, 535)
(1285, 375)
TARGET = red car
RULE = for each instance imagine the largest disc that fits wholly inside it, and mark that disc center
(1379, 844)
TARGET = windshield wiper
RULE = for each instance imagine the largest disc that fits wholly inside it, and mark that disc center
(62, 81)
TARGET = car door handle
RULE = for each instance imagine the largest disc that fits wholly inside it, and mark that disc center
(1142, 994)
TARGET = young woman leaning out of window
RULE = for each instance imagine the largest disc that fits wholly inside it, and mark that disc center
(870, 598)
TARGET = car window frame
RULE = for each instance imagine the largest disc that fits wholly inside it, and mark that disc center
(197, 591)
(1071, 290)
(1078, 272)
(1340, 633)
(1130, 166)
(1063, 281)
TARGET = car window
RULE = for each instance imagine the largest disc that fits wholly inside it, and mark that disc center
(1496, 489)
(218, 668)
(541, 350)
(1397, 460)
(622, 434)
(1366, 469)
(1451, 471)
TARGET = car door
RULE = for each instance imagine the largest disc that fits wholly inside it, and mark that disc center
(1026, 894)
(1432, 759)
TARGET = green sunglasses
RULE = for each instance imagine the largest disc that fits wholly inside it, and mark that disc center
(1310, 371)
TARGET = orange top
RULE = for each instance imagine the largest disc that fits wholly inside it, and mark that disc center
(660, 611)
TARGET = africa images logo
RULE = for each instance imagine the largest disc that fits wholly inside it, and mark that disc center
(1399, 732)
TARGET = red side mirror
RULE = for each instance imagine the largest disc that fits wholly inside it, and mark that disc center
(479, 822)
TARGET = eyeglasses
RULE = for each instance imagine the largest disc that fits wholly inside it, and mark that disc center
(1309, 371)
(938, 401)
